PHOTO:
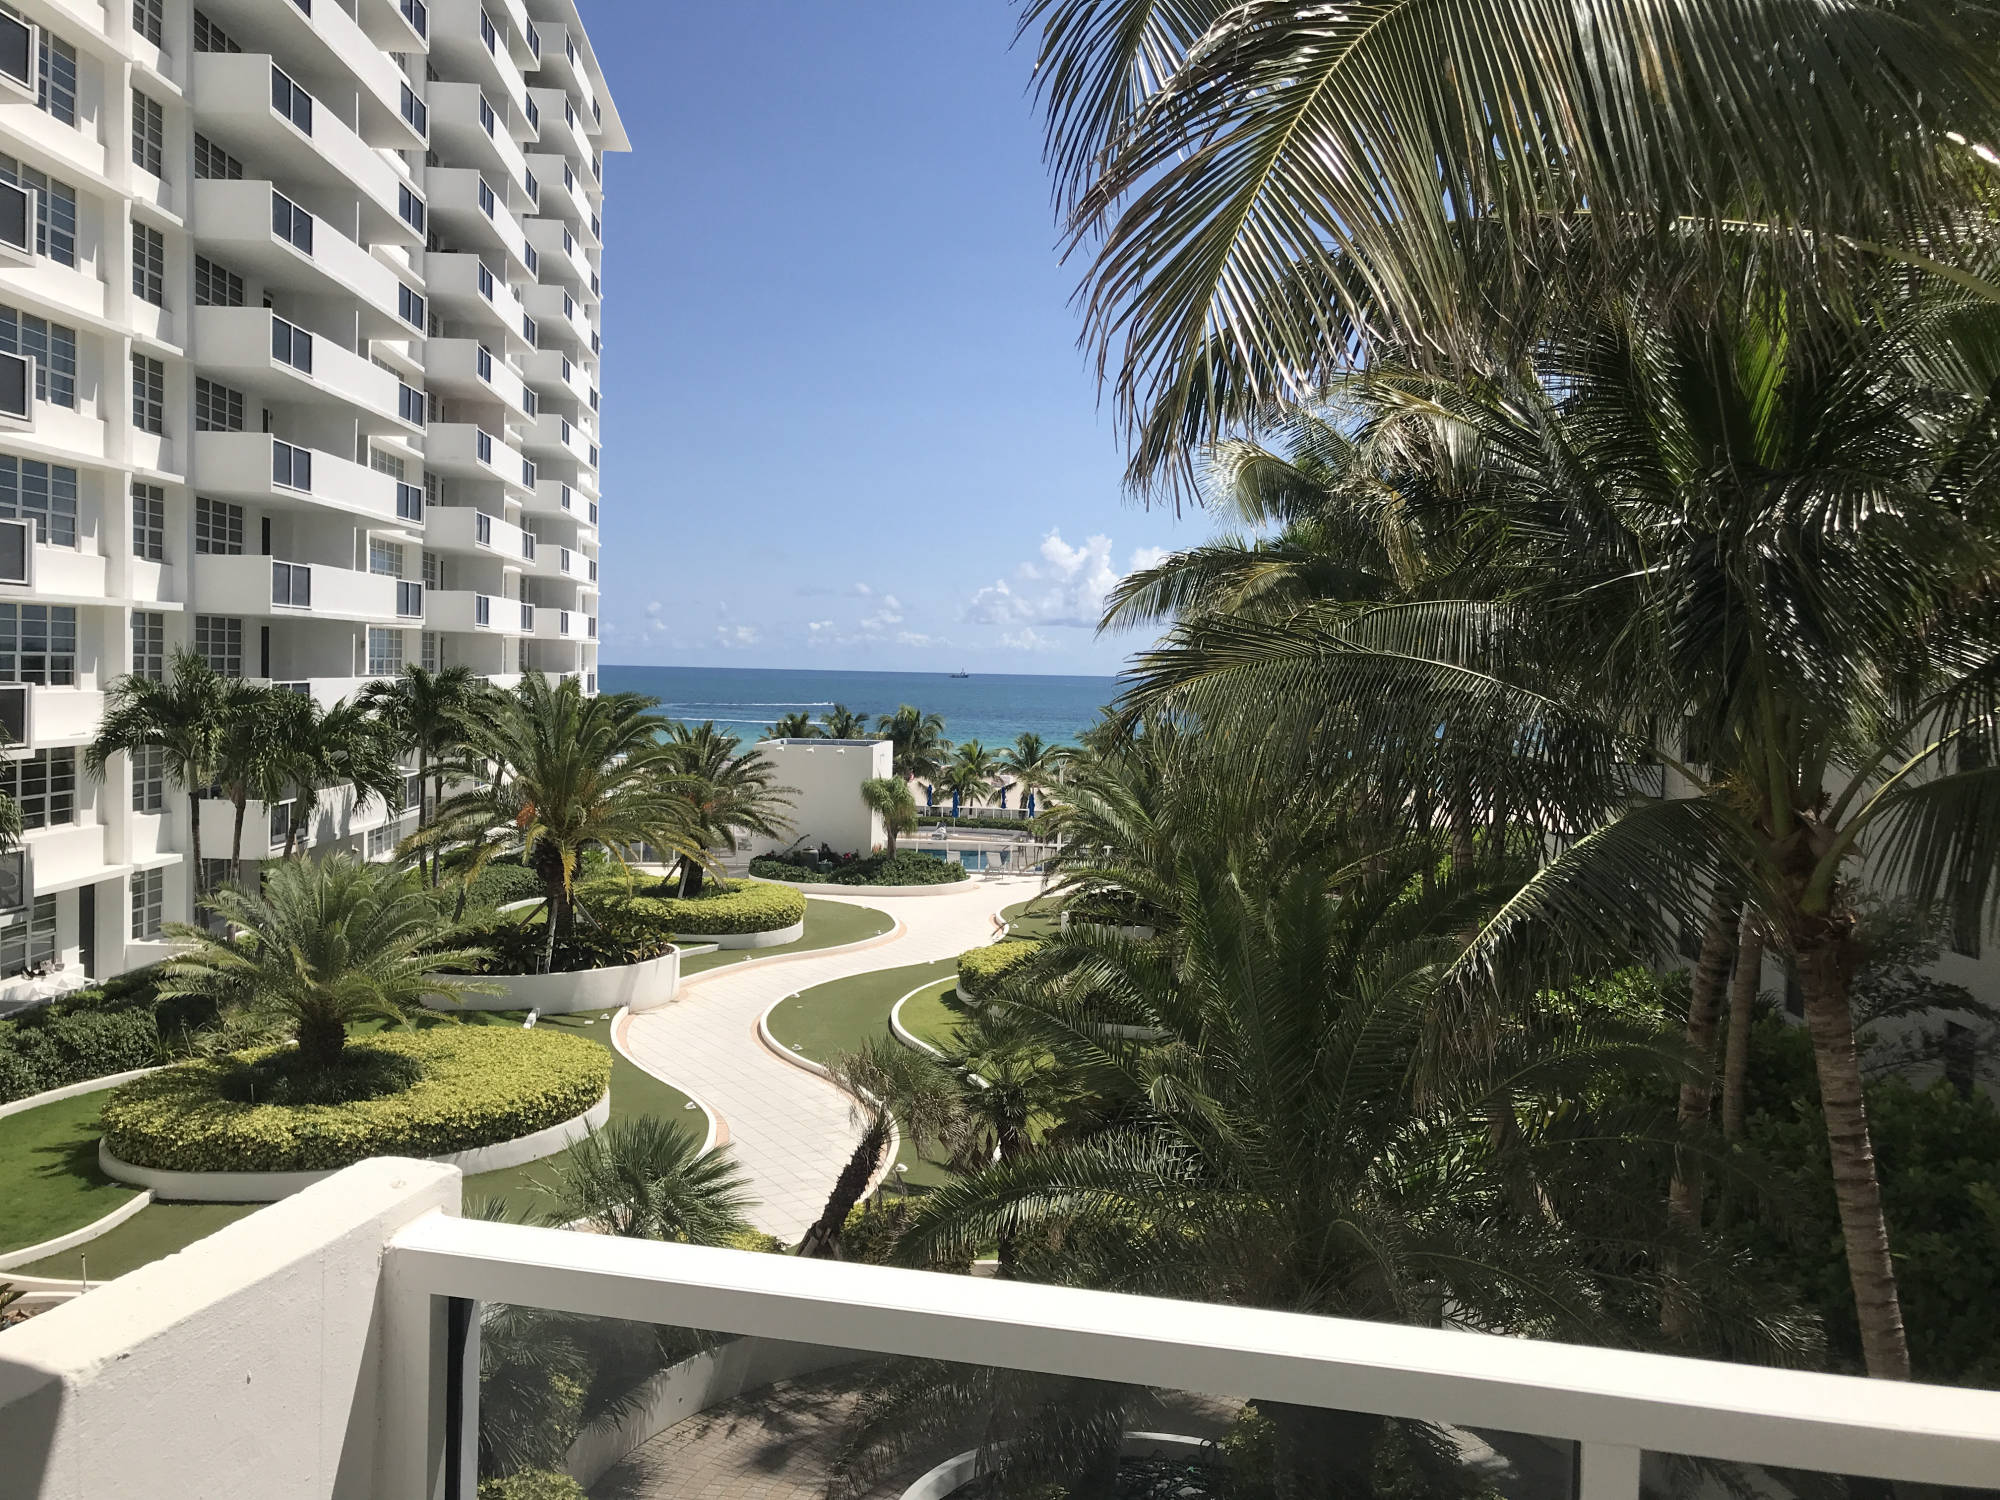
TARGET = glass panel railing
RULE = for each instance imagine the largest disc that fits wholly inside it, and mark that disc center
(482, 609)
(290, 101)
(409, 502)
(291, 466)
(409, 599)
(291, 585)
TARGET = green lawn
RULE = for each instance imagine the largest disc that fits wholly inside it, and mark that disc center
(828, 925)
(1022, 924)
(156, 1231)
(934, 1015)
(49, 1181)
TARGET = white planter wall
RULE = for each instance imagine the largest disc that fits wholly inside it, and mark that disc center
(777, 937)
(643, 986)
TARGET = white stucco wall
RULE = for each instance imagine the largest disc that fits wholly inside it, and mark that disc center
(826, 805)
(243, 1368)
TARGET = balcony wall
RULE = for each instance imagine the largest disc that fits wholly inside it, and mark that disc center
(63, 858)
(235, 344)
(235, 227)
(238, 466)
(242, 586)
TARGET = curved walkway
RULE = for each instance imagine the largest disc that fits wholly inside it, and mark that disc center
(791, 1128)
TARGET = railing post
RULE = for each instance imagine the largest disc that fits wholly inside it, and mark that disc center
(1607, 1472)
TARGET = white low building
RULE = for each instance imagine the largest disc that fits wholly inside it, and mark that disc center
(825, 777)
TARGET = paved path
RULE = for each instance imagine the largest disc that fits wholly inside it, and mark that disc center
(792, 1129)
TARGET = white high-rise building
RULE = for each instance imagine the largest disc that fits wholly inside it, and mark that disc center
(299, 350)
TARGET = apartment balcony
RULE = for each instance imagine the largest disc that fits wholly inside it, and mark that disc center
(554, 561)
(267, 825)
(470, 128)
(555, 439)
(325, 691)
(553, 623)
(260, 469)
(558, 498)
(59, 575)
(255, 227)
(562, 194)
(464, 290)
(562, 65)
(237, 99)
(562, 258)
(33, 717)
(472, 208)
(560, 317)
(255, 350)
(466, 43)
(273, 588)
(64, 857)
(467, 451)
(463, 529)
(467, 611)
(325, 49)
(396, 25)
(467, 370)
(558, 379)
(562, 127)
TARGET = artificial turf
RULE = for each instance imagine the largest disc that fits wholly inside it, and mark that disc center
(829, 924)
(933, 1015)
(49, 1180)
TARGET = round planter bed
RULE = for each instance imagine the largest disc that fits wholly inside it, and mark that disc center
(828, 888)
(640, 986)
(730, 941)
(484, 1098)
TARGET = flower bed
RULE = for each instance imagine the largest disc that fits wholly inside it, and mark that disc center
(877, 869)
(475, 1086)
(982, 968)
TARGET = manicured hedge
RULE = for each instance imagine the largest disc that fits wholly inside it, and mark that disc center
(480, 1085)
(500, 884)
(52, 1051)
(877, 869)
(615, 933)
(721, 911)
(982, 968)
(1011, 825)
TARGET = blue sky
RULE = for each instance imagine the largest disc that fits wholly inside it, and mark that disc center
(846, 420)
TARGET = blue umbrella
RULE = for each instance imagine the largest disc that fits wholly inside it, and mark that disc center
(930, 797)
(954, 802)
(1031, 804)
(1003, 794)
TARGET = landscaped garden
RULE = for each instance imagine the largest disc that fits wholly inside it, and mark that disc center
(903, 868)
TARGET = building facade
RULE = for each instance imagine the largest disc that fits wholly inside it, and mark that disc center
(299, 348)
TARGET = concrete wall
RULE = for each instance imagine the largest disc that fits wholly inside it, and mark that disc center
(826, 805)
(248, 1366)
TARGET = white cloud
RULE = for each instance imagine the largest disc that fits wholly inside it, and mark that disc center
(862, 590)
(653, 608)
(914, 638)
(1028, 639)
(731, 637)
(816, 626)
(1062, 586)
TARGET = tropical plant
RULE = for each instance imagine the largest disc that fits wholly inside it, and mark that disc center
(842, 723)
(1014, 1089)
(580, 775)
(325, 944)
(250, 746)
(346, 745)
(181, 716)
(647, 1178)
(733, 792)
(895, 1092)
(919, 739)
(437, 716)
(891, 797)
(1034, 766)
(969, 775)
(797, 725)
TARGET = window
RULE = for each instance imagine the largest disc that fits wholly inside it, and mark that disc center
(433, 647)
(45, 493)
(149, 526)
(413, 785)
(217, 408)
(149, 899)
(53, 348)
(210, 160)
(38, 644)
(291, 345)
(218, 527)
(415, 111)
(149, 645)
(43, 786)
(291, 223)
(410, 405)
(55, 210)
(409, 502)
(149, 265)
(410, 206)
(385, 463)
(149, 779)
(149, 19)
(290, 101)
(385, 558)
(381, 842)
(149, 133)
(56, 91)
(291, 466)
(149, 394)
(26, 944)
(209, 37)
(433, 571)
(216, 286)
(410, 306)
(218, 640)
(385, 651)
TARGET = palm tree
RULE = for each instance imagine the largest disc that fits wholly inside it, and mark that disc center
(733, 792)
(580, 776)
(647, 1178)
(842, 723)
(1014, 1089)
(894, 1089)
(1266, 192)
(346, 745)
(435, 716)
(1035, 767)
(250, 746)
(325, 944)
(797, 725)
(181, 717)
(892, 798)
(919, 739)
(970, 774)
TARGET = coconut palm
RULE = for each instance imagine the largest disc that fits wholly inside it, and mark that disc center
(1035, 767)
(920, 744)
(970, 773)
(250, 747)
(580, 776)
(1014, 1089)
(1265, 191)
(326, 943)
(892, 798)
(842, 723)
(647, 1178)
(733, 792)
(797, 725)
(181, 716)
(346, 745)
(895, 1091)
(434, 716)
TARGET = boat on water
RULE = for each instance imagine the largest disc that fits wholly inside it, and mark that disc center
(959, 674)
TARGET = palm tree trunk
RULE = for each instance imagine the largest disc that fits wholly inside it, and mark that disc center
(1736, 1048)
(241, 799)
(1684, 1193)
(425, 862)
(1826, 955)
(321, 1042)
(822, 1241)
(197, 884)
(553, 905)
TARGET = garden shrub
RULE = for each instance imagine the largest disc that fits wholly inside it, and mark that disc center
(907, 868)
(52, 1049)
(721, 911)
(532, 1484)
(1010, 825)
(980, 969)
(500, 884)
(614, 933)
(479, 1085)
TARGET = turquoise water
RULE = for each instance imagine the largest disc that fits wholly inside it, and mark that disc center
(990, 708)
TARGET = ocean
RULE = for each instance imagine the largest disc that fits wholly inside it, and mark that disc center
(990, 707)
